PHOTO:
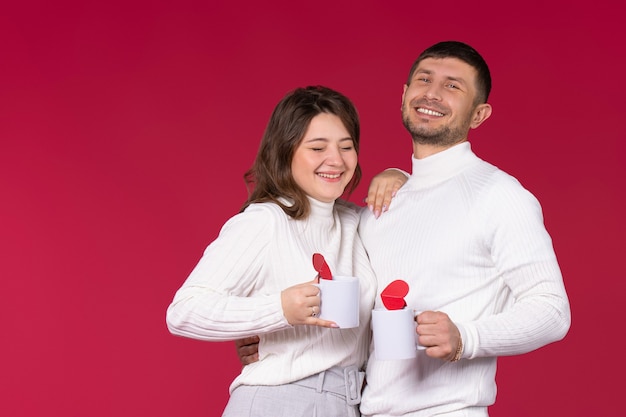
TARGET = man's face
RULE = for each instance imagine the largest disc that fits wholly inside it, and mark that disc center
(438, 105)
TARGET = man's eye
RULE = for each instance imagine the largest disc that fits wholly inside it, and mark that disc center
(452, 86)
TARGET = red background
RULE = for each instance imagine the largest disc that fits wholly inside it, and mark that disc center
(126, 127)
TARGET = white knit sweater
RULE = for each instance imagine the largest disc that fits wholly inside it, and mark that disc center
(234, 291)
(470, 241)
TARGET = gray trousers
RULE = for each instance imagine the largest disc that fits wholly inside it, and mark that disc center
(332, 393)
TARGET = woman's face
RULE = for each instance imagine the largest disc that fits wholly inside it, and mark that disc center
(325, 160)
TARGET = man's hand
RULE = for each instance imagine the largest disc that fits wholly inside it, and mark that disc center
(438, 334)
(248, 350)
(383, 188)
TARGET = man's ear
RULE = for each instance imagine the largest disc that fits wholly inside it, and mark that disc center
(403, 93)
(481, 113)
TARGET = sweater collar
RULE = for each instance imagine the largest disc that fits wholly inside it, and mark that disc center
(441, 166)
(321, 209)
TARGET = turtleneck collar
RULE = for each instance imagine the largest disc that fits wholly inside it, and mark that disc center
(321, 209)
(441, 166)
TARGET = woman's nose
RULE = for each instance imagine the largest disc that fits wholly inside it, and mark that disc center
(333, 157)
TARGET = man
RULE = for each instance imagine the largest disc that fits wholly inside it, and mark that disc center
(470, 242)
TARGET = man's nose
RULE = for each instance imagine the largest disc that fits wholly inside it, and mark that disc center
(433, 92)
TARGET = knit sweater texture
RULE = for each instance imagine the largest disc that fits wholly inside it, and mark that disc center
(470, 241)
(235, 290)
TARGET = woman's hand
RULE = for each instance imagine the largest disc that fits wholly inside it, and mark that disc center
(301, 305)
(383, 188)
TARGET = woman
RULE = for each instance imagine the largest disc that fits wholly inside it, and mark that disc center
(257, 277)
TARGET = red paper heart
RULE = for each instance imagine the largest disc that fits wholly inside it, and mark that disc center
(320, 265)
(393, 295)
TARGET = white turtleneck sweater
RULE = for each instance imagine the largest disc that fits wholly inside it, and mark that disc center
(470, 241)
(234, 291)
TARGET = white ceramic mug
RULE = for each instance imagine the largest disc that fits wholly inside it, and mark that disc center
(340, 300)
(394, 334)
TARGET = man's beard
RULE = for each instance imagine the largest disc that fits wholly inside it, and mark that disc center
(425, 135)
